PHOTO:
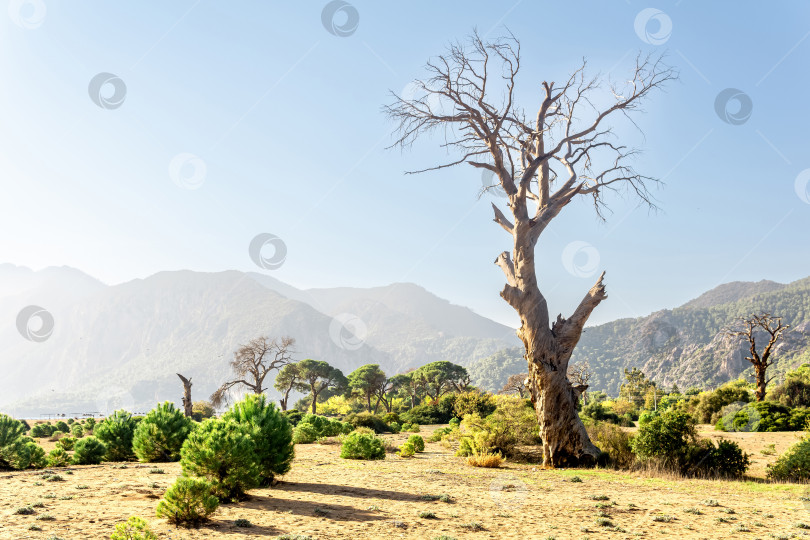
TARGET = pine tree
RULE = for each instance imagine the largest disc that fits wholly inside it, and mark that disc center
(222, 452)
(271, 433)
(116, 432)
(161, 433)
(188, 501)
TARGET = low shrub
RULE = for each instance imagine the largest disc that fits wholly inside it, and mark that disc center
(455, 422)
(201, 410)
(488, 460)
(222, 452)
(39, 431)
(16, 450)
(407, 449)
(764, 416)
(366, 419)
(665, 437)
(793, 465)
(474, 402)
(304, 434)
(418, 442)
(427, 414)
(271, 433)
(412, 428)
(160, 435)
(66, 442)
(58, 457)
(188, 501)
(439, 433)
(614, 443)
(134, 528)
(62, 426)
(512, 424)
(362, 446)
(395, 427)
(391, 417)
(116, 433)
(294, 416)
(89, 451)
(77, 430)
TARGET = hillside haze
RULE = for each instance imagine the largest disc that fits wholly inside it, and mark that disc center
(122, 345)
(684, 346)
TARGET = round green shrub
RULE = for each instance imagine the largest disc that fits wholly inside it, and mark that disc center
(271, 433)
(62, 426)
(728, 459)
(418, 442)
(391, 417)
(38, 431)
(116, 432)
(407, 449)
(188, 502)
(395, 427)
(410, 427)
(16, 450)
(89, 451)
(223, 453)
(474, 402)
(134, 528)
(66, 442)
(160, 434)
(76, 430)
(362, 446)
(304, 434)
(294, 416)
(366, 419)
(793, 465)
(455, 422)
(58, 457)
(89, 424)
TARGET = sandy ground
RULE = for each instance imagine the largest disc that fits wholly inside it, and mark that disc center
(328, 497)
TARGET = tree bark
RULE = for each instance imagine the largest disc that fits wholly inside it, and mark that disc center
(187, 404)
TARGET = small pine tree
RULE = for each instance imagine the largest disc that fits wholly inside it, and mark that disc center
(77, 430)
(89, 451)
(26, 454)
(58, 457)
(222, 452)
(362, 446)
(161, 433)
(116, 433)
(418, 442)
(11, 431)
(271, 432)
(134, 528)
(62, 426)
(188, 502)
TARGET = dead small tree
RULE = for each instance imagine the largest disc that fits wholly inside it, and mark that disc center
(542, 162)
(252, 363)
(187, 404)
(516, 383)
(772, 328)
(580, 375)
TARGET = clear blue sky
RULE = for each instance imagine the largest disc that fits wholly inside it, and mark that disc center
(286, 118)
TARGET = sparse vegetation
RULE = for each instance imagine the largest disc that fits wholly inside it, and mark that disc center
(135, 528)
(188, 502)
(362, 446)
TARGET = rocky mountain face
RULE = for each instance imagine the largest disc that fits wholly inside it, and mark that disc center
(122, 345)
(687, 345)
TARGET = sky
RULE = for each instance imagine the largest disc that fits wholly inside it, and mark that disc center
(137, 137)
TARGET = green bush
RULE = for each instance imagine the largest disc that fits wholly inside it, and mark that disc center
(16, 450)
(362, 446)
(160, 434)
(665, 437)
(11, 431)
(764, 416)
(58, 457)
(473, 402)
(391, 417)
(89, 425)
(200, 410)
(728, 459)
(77, 430)
(134, 528)
(271, 433)
(66, 442)
(39, 431)
(793, 465)
(598, 412)
(294, 416)
(304, 434)
(614, 443)
(710, 403)
(222, 452)
(116, 433)
(513, 424)
(410, 427)
(427, 414)
(455, 422)
(62, 426)
(407, 449)
(188, 502)
(366, 419)
(395, 427)
(418, 442)
(89, 451)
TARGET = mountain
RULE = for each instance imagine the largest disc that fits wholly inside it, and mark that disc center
(121, 345)
(684, 346)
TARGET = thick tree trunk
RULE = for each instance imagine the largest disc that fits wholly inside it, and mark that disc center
(762, 382)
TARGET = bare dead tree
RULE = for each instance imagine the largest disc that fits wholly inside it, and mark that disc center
(564, 152)
(580, 375)
(773, 328)
(516, 383)
(187, 405)
(252, 363)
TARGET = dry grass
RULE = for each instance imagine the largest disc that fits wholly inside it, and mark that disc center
(486, 460)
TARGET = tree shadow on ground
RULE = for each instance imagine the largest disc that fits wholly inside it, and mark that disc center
(326, 510)
(227, 526)
(347, 491)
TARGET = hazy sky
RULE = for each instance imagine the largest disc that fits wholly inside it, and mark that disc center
(284, 120)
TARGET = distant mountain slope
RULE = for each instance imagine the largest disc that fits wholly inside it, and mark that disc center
(686, 345)
(123, 344)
